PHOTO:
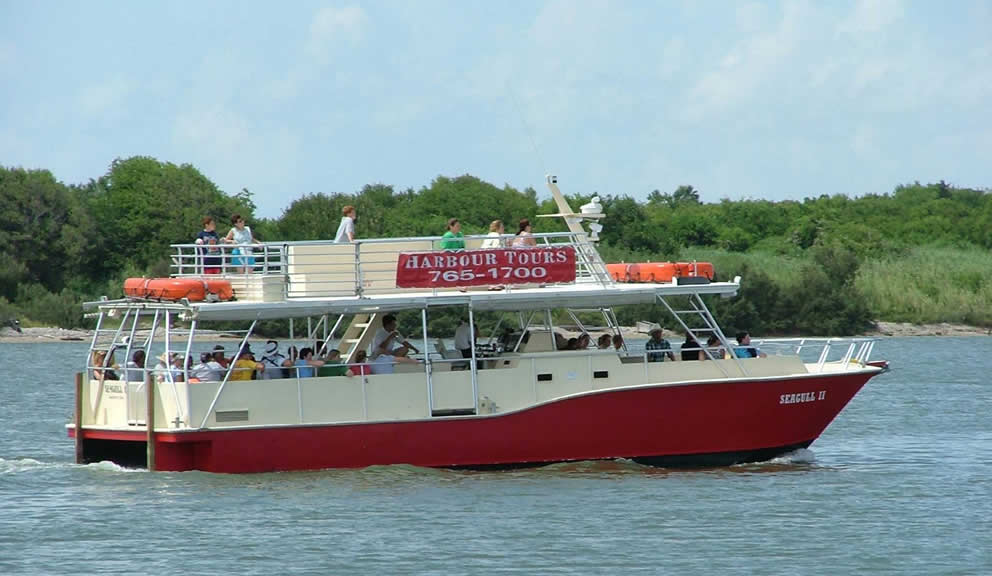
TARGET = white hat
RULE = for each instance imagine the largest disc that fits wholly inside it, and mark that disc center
(271, 347)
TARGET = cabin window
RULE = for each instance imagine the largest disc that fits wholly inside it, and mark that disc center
(544, 377)
(601, 374)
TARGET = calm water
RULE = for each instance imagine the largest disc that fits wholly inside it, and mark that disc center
(901, 483)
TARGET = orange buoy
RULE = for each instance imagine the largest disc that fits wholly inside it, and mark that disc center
(689, 269)
(221, 289)
(653, 272)
(192, 289)
(618, 272)
(659, 272)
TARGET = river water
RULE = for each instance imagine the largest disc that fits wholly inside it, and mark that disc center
(900, 483)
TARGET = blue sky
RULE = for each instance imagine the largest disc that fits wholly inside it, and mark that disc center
(741, 100)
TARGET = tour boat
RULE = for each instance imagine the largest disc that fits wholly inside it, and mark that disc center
(514, 398)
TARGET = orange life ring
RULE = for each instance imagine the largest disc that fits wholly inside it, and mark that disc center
(192, 289)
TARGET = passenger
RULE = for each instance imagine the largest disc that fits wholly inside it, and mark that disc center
(288, 370)
(208, 237)
(169, 368)
(333, 366)
(346, 229)
(493, 239)
(273, 361)
(219, 357)
(561, 343)
(658, 348)
(208, 370)
(359, 367)
(744, 348)
(572, 344)
(714, 348)
(135, 371)
(384, 338)
(103, 366)
(690, 348)
(386, 363)
(306, 365)
(583, 343)
(245, 366)
(464, 340)
(453, 239)
(617, 342)
(242, 236)
(604, 342)
(524, 237)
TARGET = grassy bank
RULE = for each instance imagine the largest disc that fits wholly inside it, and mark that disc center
(926, 285)
(930, 285)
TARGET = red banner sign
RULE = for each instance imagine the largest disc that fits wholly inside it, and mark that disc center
(451, 268)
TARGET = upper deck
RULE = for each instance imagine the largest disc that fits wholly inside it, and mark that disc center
(296, 279)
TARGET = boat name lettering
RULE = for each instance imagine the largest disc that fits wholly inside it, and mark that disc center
(112, 388)
(481, 267)
(800, 397)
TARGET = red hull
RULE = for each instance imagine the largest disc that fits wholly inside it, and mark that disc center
(719, 423)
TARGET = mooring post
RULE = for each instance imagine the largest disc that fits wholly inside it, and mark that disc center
(150, 420)
(79, 418)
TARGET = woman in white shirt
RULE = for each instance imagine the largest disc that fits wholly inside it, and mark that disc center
(493, 239)
(243, 237)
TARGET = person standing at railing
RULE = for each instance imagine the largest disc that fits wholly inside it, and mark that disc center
(346, 229)
(524, 238)
(453, 239)
(211, 254)
(493, 239)
(242, 236)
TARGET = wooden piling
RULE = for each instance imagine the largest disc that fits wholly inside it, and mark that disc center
(79, 418)
(150, 421)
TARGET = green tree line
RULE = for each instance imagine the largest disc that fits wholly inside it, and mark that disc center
(823, 265)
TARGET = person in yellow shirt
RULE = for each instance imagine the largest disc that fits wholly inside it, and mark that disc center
(245, 366)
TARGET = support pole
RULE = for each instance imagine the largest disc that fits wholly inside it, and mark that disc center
(79, 417)
(150, 421)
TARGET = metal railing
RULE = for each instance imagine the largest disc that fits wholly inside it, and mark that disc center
(326, 269)
(842, 353)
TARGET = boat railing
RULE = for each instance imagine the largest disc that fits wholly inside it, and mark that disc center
(822, 354)
(307, 269)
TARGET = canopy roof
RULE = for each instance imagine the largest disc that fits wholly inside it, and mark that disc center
(588, 295)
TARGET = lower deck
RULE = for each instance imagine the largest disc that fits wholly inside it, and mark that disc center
(509, 383)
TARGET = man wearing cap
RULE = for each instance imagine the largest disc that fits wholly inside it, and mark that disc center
(658, 348)
(244, 367)
(169, 363)
(272, 360)
(219, 356)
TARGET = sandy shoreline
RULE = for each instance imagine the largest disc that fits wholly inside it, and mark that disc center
(884, 329)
